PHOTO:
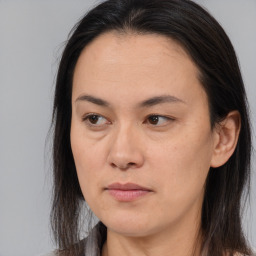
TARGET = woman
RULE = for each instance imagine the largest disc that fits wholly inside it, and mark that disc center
(151, 130)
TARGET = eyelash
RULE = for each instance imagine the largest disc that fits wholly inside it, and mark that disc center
(168, 119)
(88, 116)
(89, 123)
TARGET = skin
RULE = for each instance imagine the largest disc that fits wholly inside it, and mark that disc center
(170, 154)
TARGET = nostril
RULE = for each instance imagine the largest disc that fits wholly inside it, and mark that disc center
(123, 166)
(113, 165)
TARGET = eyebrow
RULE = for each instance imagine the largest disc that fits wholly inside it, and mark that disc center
(159, 100)
(93, 100)
(146, 103)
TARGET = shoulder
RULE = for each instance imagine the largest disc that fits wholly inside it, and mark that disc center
(91, 245)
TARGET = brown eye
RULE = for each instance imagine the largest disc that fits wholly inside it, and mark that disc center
(158, 120)
(95, 120)
(153, 120)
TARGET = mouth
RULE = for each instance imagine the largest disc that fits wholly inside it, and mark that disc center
(127, 192)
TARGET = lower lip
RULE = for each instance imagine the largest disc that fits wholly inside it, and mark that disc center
(127, 195)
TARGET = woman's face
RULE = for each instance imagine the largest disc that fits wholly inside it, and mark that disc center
(140, 133)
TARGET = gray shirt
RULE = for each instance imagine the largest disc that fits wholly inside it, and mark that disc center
(92, 243)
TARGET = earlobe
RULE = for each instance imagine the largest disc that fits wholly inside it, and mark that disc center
(226, 137)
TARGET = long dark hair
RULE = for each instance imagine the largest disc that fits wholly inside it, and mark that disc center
(207, 44)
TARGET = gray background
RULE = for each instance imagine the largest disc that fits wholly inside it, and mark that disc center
(31, 40)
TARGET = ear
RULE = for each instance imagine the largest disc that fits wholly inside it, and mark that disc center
(226, 135)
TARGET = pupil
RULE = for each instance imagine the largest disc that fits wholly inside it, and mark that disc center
(154, 119)
(94, 119)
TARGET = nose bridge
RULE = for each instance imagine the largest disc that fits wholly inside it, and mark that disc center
(124, 134)
(125, 149)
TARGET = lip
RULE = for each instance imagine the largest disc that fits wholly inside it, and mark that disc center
(127, 186)
(127, 192)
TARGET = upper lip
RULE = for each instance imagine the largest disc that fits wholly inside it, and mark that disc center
(127, 186)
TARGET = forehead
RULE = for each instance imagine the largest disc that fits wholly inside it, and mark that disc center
(148, 49)
(139, 64)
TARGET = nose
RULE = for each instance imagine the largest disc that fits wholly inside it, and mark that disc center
(125, 150)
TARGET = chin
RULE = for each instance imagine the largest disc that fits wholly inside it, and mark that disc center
(130, 230)
(130, 226)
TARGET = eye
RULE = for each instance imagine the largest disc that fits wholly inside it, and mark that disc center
(95, 120)
(158, 120)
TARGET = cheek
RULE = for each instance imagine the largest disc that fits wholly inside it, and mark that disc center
(87, 161)
(86, 152)
(184, 163)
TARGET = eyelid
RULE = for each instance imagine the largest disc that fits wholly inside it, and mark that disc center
(168, 120)
(90, 114)
(88, 123)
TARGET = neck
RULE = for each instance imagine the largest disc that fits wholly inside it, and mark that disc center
(175, 240)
